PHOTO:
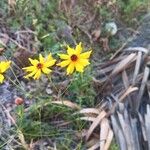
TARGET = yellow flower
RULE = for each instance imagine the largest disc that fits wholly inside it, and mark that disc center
(74, 59)
(4, 65)
(39, 66)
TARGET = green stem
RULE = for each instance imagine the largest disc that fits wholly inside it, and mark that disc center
(50, 80)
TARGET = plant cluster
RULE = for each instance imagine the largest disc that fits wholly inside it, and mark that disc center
(74, 60)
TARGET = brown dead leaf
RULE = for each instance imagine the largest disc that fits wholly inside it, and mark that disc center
(96, 34)
(1, 50)
(105, 44)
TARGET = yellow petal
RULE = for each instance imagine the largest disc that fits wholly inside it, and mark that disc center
(79, 67)
(64, 63)
(70, 51)
(33, 61)
(30, 68)
(37, 75)
(49, 63)
(4, 65)
(78, 48)
(30, 74)
(85, 55)
(70, 68)
(64, 56)
(1, 78)
(41, 59)
(49, 57)
(46, 70)
(84, 62)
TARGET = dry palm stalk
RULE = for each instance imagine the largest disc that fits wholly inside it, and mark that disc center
(141, 119)
(126, 83)
(139, 49)
(129, 79)
(148, 89)
(104, 131)
(92, 119)
(118, 133)
(95, 124)
(126, 131)
(66, 103)
(127, 92)
(108, 140)
(147, 124)
(135, 133)
(142, 87)
(128, 99)
(123, 64)
(137, 66)
(89, 110)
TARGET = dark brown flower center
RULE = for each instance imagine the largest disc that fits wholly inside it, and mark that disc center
(74, 57)
(39, 66)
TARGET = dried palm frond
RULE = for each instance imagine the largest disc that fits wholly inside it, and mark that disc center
(128, 99)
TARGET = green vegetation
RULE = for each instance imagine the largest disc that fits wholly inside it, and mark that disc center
(84, 97)
(44, 119)
(114, 146)
(133, 10)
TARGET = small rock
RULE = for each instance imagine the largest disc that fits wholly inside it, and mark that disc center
(49, 91)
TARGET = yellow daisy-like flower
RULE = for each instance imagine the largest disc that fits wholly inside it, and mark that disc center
(74, 59)
(4, 65)
(39, 66)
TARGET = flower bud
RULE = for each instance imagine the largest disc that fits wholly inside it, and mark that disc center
(19, 101)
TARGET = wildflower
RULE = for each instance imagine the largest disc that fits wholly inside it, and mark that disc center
(39, 66)
(4, 65)
(74, 59)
